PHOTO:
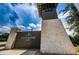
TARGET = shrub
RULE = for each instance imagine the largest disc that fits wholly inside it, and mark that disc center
(4, 37)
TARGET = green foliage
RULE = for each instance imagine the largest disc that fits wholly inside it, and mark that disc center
(73, 22)
(4, 37)
(2, 45)
(72, 40)
(73, 17)
(75, 39)
(77, 49)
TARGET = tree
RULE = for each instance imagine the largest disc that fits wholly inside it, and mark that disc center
(73, 21)
(73, 18)
(76, 39)
(4, 37)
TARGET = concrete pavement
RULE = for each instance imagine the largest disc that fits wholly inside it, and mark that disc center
(19, 52)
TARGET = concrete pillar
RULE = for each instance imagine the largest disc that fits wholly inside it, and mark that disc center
(11, 38)
(54, 39)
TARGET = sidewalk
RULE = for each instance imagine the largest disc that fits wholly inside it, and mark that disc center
(19, 52)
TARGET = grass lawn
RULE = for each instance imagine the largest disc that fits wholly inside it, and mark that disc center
(77, 49)
(2, 45)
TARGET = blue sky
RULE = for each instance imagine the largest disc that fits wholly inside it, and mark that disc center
(23, 16)
(60, 7)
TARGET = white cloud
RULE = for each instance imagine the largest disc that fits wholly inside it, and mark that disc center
(5, 29)
(35, 27)
(38, 27)
(28, 28)
(21, 27)
(61, 16)
(32, 25)
(28, 9)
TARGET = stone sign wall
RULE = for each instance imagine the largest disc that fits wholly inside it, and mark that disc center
(28, 40)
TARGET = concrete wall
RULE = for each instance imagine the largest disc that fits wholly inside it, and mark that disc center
(54, 39)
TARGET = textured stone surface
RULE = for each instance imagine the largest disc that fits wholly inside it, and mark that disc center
(11, 38)
(28, 40)
(54, 39)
